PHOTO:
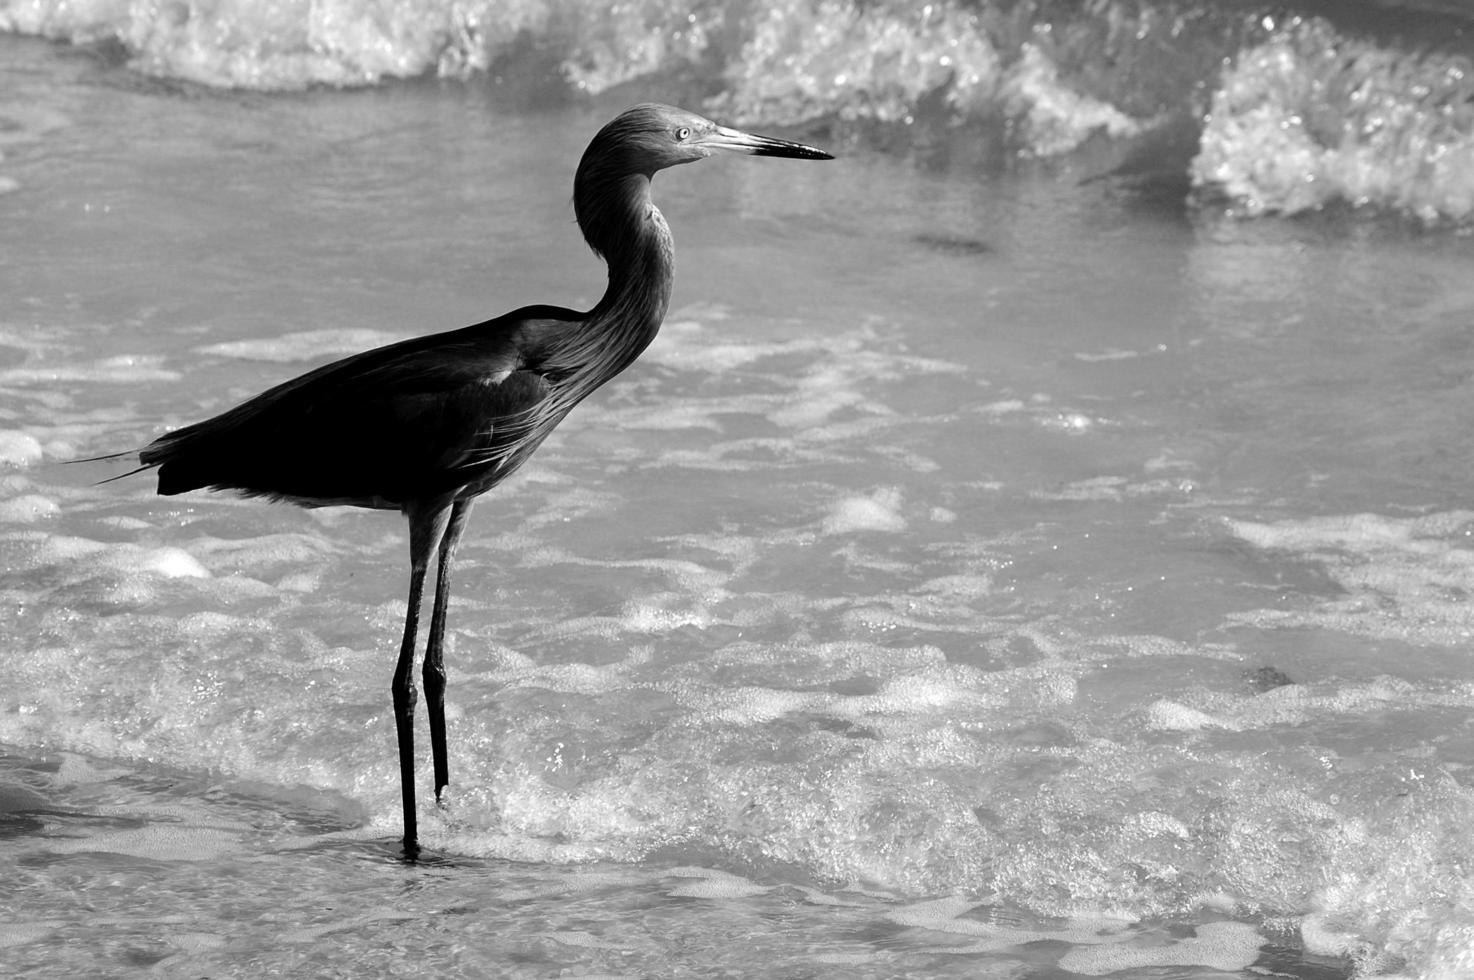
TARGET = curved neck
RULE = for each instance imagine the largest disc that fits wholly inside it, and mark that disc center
(622, 223)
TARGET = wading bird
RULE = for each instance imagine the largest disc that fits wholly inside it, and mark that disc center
(427, 425)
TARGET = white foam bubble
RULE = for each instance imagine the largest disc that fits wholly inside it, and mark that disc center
(708, 883)
(208, 625)
(960, 586)
(1109, 354)
(813, 407)
(880, 511)
(646, 617)
(20, 933)
(170, 563)
(18, 448)
(195, 942)
(162, 842)
(672, 417)
(570, 678)
(57, 549)
(262, 551)
(946, 915)
(1060, 118)
(167, 561)
(1169, 716)
(1354, 532)
(755, 705)
(77, 770)
(30, 508)
(940, 915)
(1323, 938)
(122, 369)
(579, 939)
(1396, 888)
(124, 523)
(1227, 946)
(909, 694)
(1310, 116)
(690, 345)
(1095, 488)
(303, 345)
(1402, 578)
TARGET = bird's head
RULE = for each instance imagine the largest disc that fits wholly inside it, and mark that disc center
(650, 137)
(637, 143)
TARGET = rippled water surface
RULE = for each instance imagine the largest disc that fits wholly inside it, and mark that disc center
(1009, 575)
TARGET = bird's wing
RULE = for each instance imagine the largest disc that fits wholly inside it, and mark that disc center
(410, 420)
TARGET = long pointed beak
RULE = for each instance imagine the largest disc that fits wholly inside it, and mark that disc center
(764, 146)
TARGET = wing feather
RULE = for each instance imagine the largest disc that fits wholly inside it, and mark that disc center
(413, 419)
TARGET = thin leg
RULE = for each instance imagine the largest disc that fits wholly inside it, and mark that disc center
(434, 654)
(426, 527)
(405, 697)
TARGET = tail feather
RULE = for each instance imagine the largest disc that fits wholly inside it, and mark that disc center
(183, 464)
(169, 455)
(111, 479)
(109, 457)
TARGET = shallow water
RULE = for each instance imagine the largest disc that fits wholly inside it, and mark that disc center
(1010, 575)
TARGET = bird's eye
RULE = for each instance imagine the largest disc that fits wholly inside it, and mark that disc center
(683, 133)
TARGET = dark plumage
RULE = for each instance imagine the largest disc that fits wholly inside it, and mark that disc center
(426, 425)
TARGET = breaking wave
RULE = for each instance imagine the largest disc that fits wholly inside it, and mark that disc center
(1265, 113)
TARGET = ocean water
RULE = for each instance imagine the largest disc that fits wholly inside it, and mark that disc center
(1037, 544)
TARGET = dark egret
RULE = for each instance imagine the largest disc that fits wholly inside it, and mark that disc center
(426, 425)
